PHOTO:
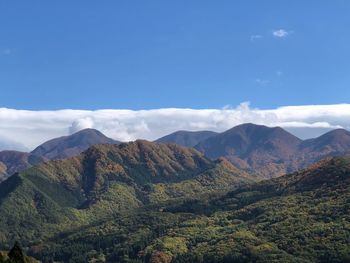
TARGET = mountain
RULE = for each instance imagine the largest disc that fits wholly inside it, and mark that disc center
(300, 217)
(150, 202)
(257, 147)
(155, 202)
(186, 138)
(58, 148)
(336, 142)
(272, 152)
(106, 181)
(14, 161)
(267, 152)
(68, 146)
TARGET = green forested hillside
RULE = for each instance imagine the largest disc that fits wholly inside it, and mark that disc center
(148, 202)
(302, 217)
(107, 182)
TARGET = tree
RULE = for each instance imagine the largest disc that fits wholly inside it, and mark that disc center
(16, 254)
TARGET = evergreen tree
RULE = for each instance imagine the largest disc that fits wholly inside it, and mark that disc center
(16, 254)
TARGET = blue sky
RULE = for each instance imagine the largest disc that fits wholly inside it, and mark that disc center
(185, 54)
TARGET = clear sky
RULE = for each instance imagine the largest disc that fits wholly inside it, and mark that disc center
(155, 54)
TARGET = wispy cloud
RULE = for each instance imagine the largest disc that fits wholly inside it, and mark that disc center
(280, 33)
(30, 128)
(255, 37)
(7, 51)
(262, 82)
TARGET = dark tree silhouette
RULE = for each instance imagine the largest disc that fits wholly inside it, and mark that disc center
(16, 254)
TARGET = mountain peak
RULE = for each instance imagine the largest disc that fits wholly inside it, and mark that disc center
(335, 141)
(71, 145)
(337, 133)
(134, 163)
(251, 129)
(186, 138)
(245, 138)
(88, 131)
(249, 125)
(253, 146)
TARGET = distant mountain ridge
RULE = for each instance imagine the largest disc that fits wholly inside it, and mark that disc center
(266, 151)
(14, 161)
(71, 145)
(273, 151)
(57, 148)
(186, 138)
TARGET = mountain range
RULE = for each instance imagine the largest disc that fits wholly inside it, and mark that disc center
(103, 181)
(58, 148)
(265, 151)
(270, 152)
(148, 202)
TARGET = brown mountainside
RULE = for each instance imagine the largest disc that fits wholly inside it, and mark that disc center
(68, 146)
(186, 138)
(136, 164)
(14, 161)
(272, 152)
(58, 148)
(249, 146)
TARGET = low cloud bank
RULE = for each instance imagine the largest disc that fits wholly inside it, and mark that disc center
(20, 129)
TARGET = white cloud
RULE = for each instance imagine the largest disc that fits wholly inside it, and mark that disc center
(262, 82)
(80, 124)
(255, 37)
(280, 33)
(10, 144)
(31, 128)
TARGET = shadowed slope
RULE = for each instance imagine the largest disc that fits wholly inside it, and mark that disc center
(13, 161)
